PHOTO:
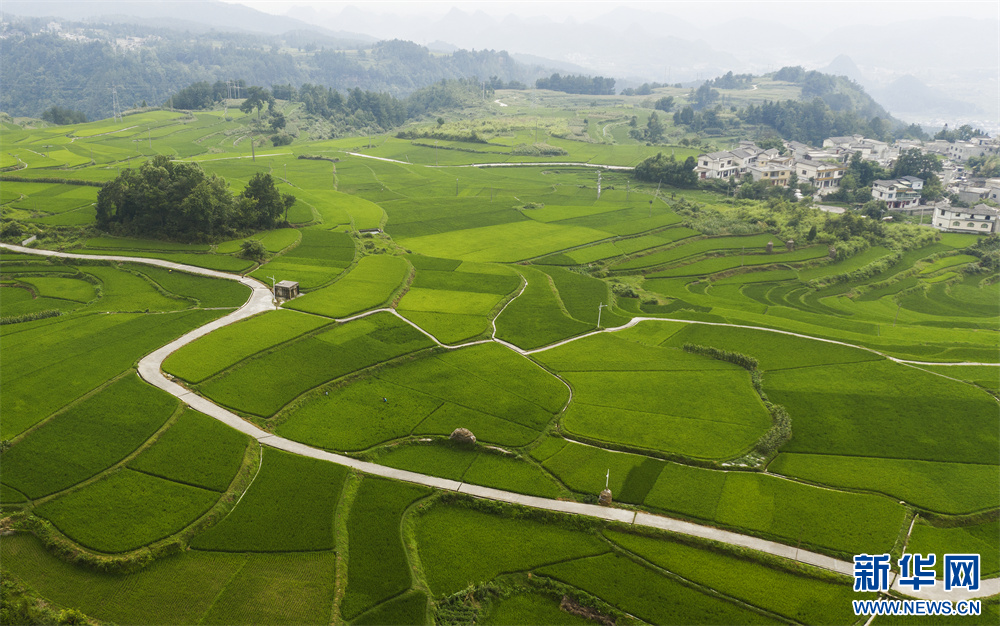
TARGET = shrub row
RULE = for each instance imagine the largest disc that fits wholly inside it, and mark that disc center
(862, 273)
(29, 317)
(746, 362)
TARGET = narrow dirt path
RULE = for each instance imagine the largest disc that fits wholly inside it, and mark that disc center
(260, 300)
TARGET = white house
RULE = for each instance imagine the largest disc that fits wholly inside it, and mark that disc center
(717, 165)
(981, 219)
(821, 174)
(901, 193)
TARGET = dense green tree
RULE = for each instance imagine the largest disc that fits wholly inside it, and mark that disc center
(665, 104)
(257, 98)
(62, 115)
(654, 128)
(667, 170)
(177, 200)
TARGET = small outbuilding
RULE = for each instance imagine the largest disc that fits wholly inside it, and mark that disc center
(286, 290)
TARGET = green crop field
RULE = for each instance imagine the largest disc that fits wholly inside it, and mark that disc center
(227, 346)
(278, 377)
(88, 437)
(366, 286)
(492, 288)
(287, 487)
(126, 510)
(378, 568)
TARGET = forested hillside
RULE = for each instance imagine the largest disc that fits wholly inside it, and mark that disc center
(149, 65)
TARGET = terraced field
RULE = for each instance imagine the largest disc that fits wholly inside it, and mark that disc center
(832, 404)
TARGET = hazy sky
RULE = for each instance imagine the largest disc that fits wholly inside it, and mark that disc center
(822, 13)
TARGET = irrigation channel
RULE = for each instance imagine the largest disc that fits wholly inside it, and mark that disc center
(261, 300)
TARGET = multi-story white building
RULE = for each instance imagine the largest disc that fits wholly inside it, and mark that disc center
(823, 175)
(901, 193)
(722, 164)
(980, 219)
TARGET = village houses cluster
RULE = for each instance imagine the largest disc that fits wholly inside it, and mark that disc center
(825, 167)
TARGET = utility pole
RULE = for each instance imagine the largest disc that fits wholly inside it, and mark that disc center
(149, 136)
(598, 185)
(253, 155)
(627, 190)
(286, 174)
(599, 307)
(115, 107)
(456, 187)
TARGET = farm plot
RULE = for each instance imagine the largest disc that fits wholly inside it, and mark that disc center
(71, 356)
(806, 599)
(625, 221)
(88, 438)
(207, 292)
(277, 589)
(377, 565)
(982, 539)
(582, 295)
(318, 259)
(640, 591)
(773, 351)
(126, 510)
(220, 262)
(288, 487)
(509, 242)
(368, 285)
(883, 409)
(453, 303)
(708, 266)
(788, 511)
(278, 377)
(536, 318)
(16, 300)
(231, 344)
(632, 245)
(185, 588)
(125, 243)
(712, 413)
(500, 396)
(954, 488)
(446, 535)
(124, 291)
(695, 248)
(273, 241)
(526, 608)
(75, 289)
(196, 450)
(407, 610)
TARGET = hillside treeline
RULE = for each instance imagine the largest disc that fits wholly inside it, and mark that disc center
(165, 199)
(589, 85)
(79, 74)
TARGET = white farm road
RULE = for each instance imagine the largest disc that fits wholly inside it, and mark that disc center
(261, 300)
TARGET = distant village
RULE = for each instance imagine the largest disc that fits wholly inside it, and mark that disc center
(824, 169)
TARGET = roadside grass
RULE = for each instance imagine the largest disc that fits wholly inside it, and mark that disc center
(87, 438)
(196, 450)
(951, 488)
(126, 510)
(278, 377)
(377, 565)
(273, 241)
(368, 285)
(447, 535)
(49, 363)
(288, 487)
(229, 345)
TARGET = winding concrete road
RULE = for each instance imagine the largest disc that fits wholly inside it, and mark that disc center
(150, 369)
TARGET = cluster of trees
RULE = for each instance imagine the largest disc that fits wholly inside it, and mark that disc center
(984, 166)
(665, 104)
(595, 86)
(78, 73)
(645, 89)
(164, 199)
(495, 83)
(203, 95)
(63, 115)
(704, 96)
(379, 112)
(668, 170)
(812, 122)
(732, 81)
(654, 131)
(709, 120)
(962, 133)
(856, 185)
